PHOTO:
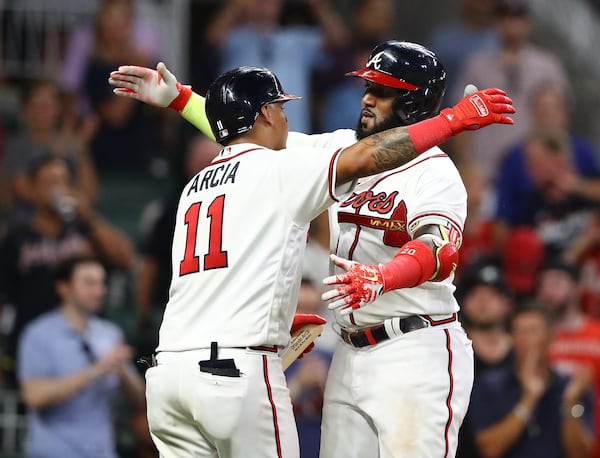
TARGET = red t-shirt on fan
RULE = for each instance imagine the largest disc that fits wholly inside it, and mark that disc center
(571, 350)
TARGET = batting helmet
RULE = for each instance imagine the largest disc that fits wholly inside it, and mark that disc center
(413, 69)
(234, 100)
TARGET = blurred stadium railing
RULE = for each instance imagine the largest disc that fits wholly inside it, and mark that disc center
(33, 33)
(12, 424)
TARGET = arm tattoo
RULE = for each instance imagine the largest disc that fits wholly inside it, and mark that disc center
(393, 148)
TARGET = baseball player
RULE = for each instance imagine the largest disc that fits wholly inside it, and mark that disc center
(401, 376)
(378, 421)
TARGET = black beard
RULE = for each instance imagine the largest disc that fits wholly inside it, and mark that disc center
(386, 124)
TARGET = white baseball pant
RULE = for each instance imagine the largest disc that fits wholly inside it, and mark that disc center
(405, 397)
(197, 414)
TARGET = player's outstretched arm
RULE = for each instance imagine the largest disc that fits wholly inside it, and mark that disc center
(427, 258)
(160, 88)
(394, 147)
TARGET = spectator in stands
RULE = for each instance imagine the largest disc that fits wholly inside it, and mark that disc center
(517, 66)
(62, 224)
(81, 43)
(584, 252)
(306, 378)
(42, 132)
(559, 204)
(485, 307)
(337, 96)
(522, 258)
(70, 364)
(456, 41)
(519, 174)
(128, 136)
(527, 409)
(248, 32)
(576, 338)
(524, 172)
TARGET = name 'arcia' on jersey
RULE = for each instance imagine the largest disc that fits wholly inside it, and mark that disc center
(211, 177)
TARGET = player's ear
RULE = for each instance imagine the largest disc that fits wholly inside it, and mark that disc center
(266, 115)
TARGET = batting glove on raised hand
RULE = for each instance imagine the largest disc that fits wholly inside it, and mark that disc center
(155, 87)
(360, 285)
(301, 319)
(480, 109)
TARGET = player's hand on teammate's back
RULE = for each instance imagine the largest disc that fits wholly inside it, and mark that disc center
(479, 109)
(155, 87)
(359, 286)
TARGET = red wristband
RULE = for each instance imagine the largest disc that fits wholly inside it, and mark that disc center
(429, 133)
(179, 102)
(413, 264)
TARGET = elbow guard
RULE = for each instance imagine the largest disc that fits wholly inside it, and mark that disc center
(412, 265)
(427, 258)
(445, 254)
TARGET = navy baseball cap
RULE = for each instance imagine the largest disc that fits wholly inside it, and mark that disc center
(486, 272)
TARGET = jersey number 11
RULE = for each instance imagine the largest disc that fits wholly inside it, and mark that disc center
(216, 258)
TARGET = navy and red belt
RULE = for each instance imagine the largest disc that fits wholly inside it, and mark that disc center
(379, 333)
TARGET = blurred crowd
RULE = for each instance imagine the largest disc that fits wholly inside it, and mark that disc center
(81, 294)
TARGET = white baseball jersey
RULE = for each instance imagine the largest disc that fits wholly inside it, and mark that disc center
(414, 388)
(238, 245)
(340, 138)
(383, 213)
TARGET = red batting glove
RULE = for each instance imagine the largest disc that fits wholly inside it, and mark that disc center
(474, 111)
(478, 110)
(300, 319)
(360, 285)
(413, 265)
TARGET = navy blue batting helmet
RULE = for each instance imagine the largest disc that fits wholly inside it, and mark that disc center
(415, 71)
(234, 100)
